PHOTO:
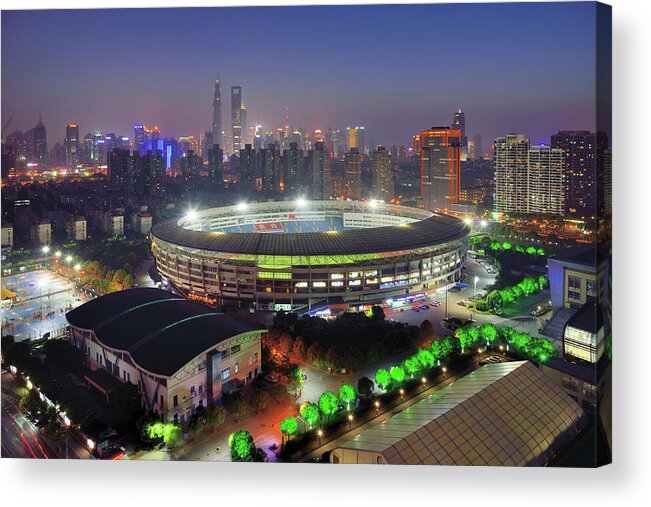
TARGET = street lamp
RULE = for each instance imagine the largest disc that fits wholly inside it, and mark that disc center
(57, 254)
(444, 370)
(377, 406)
(45, 249)
(350, 420)
(69, 259)
(402, 393)
(423, 380)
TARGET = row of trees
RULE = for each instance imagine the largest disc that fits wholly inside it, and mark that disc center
(496, 299)
(482, 243)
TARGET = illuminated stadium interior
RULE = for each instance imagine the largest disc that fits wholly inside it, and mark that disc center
(296, 254)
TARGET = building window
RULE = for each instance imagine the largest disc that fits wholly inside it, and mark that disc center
(175, 400)
(574, 282)
(225, 354)
(250, 360)
(235, 349)
(237, 367)
(589, 391)
(255, 357)
(226, 374)
(192, 392)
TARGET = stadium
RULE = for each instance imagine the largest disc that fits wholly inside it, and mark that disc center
(304, 254)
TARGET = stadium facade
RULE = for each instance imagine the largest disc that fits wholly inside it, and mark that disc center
(298, 254)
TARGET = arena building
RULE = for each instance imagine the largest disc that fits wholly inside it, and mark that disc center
(286, 255)
(180, 354)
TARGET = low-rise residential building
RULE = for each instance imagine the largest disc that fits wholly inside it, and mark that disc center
(180, 354)
(76, 229)
(141, 222)
(113, 223)
(7, 236)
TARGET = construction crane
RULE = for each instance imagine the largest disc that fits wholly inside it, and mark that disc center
(6, 125)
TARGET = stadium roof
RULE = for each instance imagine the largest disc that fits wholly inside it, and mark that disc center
(434, 230)
(504, 414)
(161, 331)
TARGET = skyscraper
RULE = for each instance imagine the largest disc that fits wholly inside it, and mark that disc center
(353, 173)
(140, 138)
(40, 143)
(293, 170)
(545, 181)
(459, 123)
(216, 167)
(440, 167)
(584, 171)
(247, 174)
(510, 163)
(320, 172)
(382, 183)
(236, 118)
(356, 138)
(217, 114)
(71, 144)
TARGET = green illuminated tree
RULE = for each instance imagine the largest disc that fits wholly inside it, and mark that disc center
(488, 333)
(397, 374)
(310, 414)
(411, 365)
(215, 415)
(288, 427)
(241, 445)
(328, 404)
(347, 395)
(425, 359)
(531, 250)
(382, 378)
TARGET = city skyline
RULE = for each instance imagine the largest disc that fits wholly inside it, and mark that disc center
(524, 96)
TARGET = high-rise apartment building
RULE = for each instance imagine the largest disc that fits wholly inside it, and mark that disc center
(247, 175)
(236, 118)
(293, 165)
(216, 167)
(71, 144)
(217, 128)
(510, 166)
(353, 173)
(584, 171)
(545, 181)
(440, 167)
(381, 176)
(319, 171)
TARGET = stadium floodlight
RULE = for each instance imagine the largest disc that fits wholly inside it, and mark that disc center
(191, 215)
(484, 223)
(301, 202)
(241, 206)
(373, 203)
(468, 221)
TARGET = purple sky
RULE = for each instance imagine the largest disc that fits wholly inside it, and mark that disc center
(525, 68)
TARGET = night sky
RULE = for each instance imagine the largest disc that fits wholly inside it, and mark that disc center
(526, 68)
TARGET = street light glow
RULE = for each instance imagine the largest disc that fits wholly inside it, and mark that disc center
(484, 223)
(57, 253)
(69, 259)
(77, 267)
(46, 249)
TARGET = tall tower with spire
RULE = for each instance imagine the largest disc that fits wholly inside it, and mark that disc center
(217, 114)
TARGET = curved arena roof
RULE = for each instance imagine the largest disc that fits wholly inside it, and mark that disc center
(421, 229)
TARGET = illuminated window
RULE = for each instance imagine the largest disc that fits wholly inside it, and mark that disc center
(355, 282)
(336, 276)
(301, 285)
(226, 374)
(319, 284)
(237, 367)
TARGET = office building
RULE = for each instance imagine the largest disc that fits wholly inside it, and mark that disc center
(71, 144)
(510, 166)
(180, 354)
(39, 133)
(140, 136)
(381, 176)
(353, 173)
(585, 165)
(440, 167)
(217, 127)
(356, 138)
(459, 123)
(236, 118)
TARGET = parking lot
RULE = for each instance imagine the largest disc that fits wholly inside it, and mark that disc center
(41, 300)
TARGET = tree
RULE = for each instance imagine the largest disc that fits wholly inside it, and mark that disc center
(128, 281)
(285, 344)
(260, 400)
(397, 374)
(543, 282)
(426, 328)
(241, 445)
(494, 299)
(382, 378)
(412, 365)
(347, 395)
(239, 408)
(298, 349)
(125, 405)
(170, 433)
(118, 276)
(295, 385)
(377, 313)
(215, 415)
(288, 427)
(365, 386)
(31, 402)
(488, 333)
(328, 404)
(531, 250)
(425, 358)
(310, 414)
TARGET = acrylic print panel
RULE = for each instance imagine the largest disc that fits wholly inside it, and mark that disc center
(387, 245)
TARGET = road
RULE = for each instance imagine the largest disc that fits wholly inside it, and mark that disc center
(22, 439)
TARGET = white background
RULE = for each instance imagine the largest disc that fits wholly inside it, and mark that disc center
(625, 483)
